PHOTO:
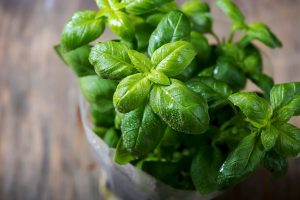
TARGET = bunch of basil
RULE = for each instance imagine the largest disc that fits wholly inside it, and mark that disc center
(169, 101)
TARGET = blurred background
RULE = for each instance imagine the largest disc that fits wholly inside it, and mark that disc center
(43, 150)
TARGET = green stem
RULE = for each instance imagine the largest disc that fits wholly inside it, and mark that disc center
(216, 37)
(231, 37)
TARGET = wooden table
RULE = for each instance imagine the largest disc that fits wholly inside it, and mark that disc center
(43, 150)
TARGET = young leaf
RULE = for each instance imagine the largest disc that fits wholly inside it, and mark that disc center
(242, 161)
(231, 10)
(261, 32)
(275, 163)
(158, 77)
(205, 168)
(288, 142)
(142, 131)
(199, 12)
(256, 109)
(95, 88)
(121, 25)
(83, 28)
(111, 60)
(215, 92)
(179, 107)
(285, 100)
(269, 137)
(174, 27)
(122, 156)
(140, 61)
(173, 58)
(143, 6)
(131, 93)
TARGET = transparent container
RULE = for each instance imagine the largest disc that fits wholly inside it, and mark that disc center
(127, 182)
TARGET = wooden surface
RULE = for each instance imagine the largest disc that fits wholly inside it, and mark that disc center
(43, 151)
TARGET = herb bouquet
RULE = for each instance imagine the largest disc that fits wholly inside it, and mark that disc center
(169, 102)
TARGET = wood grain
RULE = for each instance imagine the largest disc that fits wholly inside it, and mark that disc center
(43, 151)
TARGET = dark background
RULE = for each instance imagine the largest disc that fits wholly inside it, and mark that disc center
(43, 150)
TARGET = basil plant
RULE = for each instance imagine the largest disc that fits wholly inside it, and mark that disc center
(171, 102)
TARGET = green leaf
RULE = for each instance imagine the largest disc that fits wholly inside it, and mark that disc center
(111, 138)
(102, 113)
(231, 10)
(263, 81)
(140, 61)
(199, 13)
(83, 28)
(78, 60)
(111, 60)
(201, 45)
(269, 137)
(256, 109)
(285, 100)
(173, 58)
(142, 131)
(242, 161)
(205, 168)
(131, 93)
(158, 77)
(261, 32)
(252, 62)
(215, 92)
(155, 18)
(121, 25)
(107, 3)
(174, 26)
(142, 34)
(228, 72)
(179, 107)
(122, 156)
(143, 6)
(288, 142)
(95, 88)
(275, 163)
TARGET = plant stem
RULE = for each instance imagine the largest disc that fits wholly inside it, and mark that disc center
(231, 37)
(216, 37)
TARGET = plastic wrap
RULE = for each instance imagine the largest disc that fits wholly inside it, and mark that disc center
(127, 182)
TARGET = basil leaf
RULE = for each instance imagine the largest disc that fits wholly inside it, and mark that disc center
(142, 131)
(242, 161)
(173, 58)
(140, 61)
(111, 138)
(174, 26)
(256, 109)
(143, 6)
(263, 81)
(122, 156)
(261, 32)
(215, 92)
(142, 34)
(288, 142)
(158, 77)
(285, 100)
(78, 60)
(155, 18)
(95, 88)
(275, 163)
(83, 28)
(253, 61)
(228, 72)
(179, 107)
(201, 45)
(121, 25)
(205, 168)
(111, 60)
(107, 3)
(199, 13)
(269, 137)
(231, 10)
(102, 113)
(131, 93)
